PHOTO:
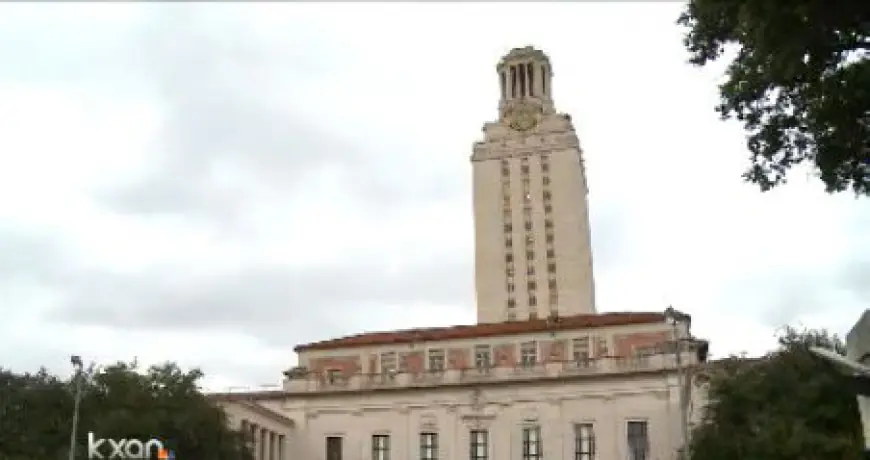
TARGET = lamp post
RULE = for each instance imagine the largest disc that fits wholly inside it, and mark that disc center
(76, 361)
(676, 319)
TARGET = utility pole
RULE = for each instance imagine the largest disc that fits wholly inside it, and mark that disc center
(76, 361)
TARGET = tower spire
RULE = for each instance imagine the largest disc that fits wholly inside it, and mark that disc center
(525, 76)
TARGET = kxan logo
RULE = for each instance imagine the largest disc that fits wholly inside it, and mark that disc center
(127, 449)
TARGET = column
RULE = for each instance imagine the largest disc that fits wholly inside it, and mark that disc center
(263, 444)
(281, 447)
(255, 440)
(273, 446)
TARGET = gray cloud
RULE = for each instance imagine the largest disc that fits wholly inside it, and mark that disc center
(276, 304)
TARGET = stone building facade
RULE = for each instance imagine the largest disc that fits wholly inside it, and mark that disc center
(541, 375)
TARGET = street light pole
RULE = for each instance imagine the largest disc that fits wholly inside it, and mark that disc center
(77, 379)
(674, 318)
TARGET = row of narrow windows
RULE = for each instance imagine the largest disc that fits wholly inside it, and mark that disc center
(522, 81)
(637, 440)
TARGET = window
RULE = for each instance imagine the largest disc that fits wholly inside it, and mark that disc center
(547, 195)
(532, 443)
(508, 257)
(436, 360)
(530, 270)
(638, 440)
(531, 285)
(428, 446)
(333, 376)
(479, 445)
(333, 448)
(602, 346)
(508, 242)
(554, 298)
(584, 441)
(482, 357)
(551, 253)
(581, 350)
(506, 214)
(545, 180)
(512, 316)
(388, 362)
(528, 225)
(545, 167)
(530, 255)
(510, 287)
(551, 283)
(548, 223)
(524, 168)
(403, 362)
(533, 301)
(511, 302)
(528, 353)
(381, 447)
(550, 238)
(508, 228)
(548, 208)
(551, 267)
(509, 271)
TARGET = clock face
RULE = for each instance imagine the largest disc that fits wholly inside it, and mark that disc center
(523, 119)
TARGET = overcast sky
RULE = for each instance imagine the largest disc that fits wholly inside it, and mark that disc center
(215, 183)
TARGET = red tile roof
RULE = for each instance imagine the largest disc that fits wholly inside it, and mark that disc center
(484, 330)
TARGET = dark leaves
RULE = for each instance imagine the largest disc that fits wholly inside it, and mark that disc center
(787, 405)
(119, 401)
(799, 82)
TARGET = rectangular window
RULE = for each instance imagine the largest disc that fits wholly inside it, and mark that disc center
(638, 440)
(530, 270)
(524, 169)
(584, 441)
(550, 238)
(545, 180)
(479, 445)
(581, 351)
(510, 287)
(508, 257)
(531, 285)
(381, 447)
(532, 443)
(551, 253)
(548, 208)
(428, 446)
(388, 362)
(530, 255)
(508, 228)
(533, 301)
(436, 360)
(403, 362)
(548, 223)
(482, 357)
(508, 242)
(602, 347)
(333, 448)
(547, 195)
(551, 267)
(528, 225)
(333, 376)
(545, 167)
(528, 354)
(511, 302)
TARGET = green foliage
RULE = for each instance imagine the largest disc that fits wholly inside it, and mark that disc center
(799, 83)
(787, 405)
(118, 401)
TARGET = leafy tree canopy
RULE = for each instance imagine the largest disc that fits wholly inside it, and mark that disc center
(787, 405)
(799, 82)
(120, 402)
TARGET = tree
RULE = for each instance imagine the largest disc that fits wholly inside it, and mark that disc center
(799, 82)
(118, 402)
(787, 405)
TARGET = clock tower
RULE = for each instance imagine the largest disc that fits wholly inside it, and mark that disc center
(533, 255)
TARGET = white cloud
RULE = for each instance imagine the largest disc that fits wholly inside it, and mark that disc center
(289, 172)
